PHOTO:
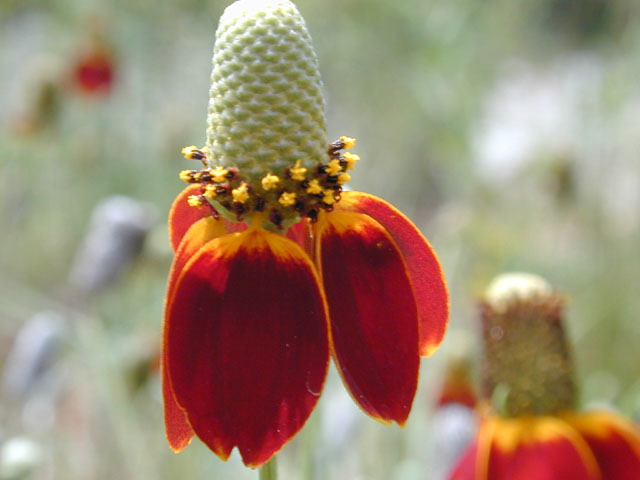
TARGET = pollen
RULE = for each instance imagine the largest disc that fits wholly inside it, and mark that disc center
(194, 200)
(210, 191)
(193, 153)
(351, 159)
(287, 199)
(240, 194)
(314, 187)
(269, 181)
(284, 195)
(328, 197)
(343, 178)
(333, 167)
(186, 176)
(348, 142)
(297, 172)
(219, 174)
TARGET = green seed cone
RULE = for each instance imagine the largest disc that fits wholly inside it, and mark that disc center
(527, 368)
(266, 108)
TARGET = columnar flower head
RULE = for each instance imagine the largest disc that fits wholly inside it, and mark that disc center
(276, 268)
(530, 429)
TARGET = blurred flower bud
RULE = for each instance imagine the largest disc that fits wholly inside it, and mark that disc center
(27, 367)
(115, 237)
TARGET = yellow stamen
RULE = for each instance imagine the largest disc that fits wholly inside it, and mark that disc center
(185, 175)
(287, 199)
(314, 187)
(343, 178)
(210, 191)
(297, 172)
(270, 181)
(333, 167)
(328, 197)
(351, 160)
(192, 152)
(241, 194)
(219, 174)
(348, 142)
(194, 201)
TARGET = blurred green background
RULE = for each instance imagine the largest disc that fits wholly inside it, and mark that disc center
(508, 130)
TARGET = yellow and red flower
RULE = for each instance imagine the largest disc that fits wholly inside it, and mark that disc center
(276, 268)
(595, 445)
(529, 426)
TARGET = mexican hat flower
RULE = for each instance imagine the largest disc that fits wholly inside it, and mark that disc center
(94, 70)
(532, 430)
(276, 268)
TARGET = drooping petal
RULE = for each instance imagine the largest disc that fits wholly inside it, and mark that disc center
(614, 441)
(179, 432)
(182, 215)
(427, 279)
(374, 320)
(301, 233)
(247, 343)
(176, 426)
(537, 448)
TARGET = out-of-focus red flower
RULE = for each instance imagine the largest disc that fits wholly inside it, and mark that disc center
(529, 426)
(578, 446)
(94, 70)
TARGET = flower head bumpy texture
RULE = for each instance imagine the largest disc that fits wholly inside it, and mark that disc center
(266, 109)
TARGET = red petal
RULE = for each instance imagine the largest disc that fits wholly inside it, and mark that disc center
(538, 448)
(177, 429)
(466, 468)
(374, 321)
(179, 432)
(427, 279)
(182, 216)
(301, 233)
(247, 343)
(615, 442)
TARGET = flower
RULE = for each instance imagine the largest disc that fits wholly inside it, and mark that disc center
(276, 268)
(93, 71)
(532, 430)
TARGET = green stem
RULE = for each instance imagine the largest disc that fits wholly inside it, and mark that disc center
(269, 470)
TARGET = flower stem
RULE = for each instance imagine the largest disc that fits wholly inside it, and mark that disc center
(269, 470)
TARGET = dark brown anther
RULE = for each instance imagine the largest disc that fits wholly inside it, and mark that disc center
(335, 146)
(299, 206)
(275, 217)
(332, 180)
(322, 169)
(222, 189)
(313, 215)
(214, 212)
(233, 171)
(259, 204)
(239, 209)
(205, 176)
